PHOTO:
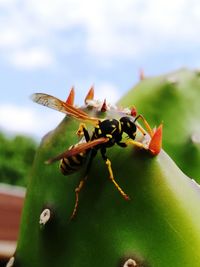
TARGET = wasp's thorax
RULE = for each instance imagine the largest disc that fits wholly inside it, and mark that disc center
(128, 126)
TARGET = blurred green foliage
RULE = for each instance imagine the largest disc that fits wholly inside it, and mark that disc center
(16, 157)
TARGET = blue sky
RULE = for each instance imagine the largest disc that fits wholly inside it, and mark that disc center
(48, 46)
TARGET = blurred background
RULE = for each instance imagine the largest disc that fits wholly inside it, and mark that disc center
(49, 46)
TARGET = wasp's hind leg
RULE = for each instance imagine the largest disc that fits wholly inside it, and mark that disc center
(111, 176)
(77, 191)
(82, 183)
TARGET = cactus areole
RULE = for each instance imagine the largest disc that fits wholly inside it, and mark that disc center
(84, 220)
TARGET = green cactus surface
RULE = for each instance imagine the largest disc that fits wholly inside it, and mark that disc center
(158, 226)
(174, 99)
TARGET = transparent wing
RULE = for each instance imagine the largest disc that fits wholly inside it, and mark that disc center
(59, 105)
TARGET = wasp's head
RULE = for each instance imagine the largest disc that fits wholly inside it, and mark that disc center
(128, 126)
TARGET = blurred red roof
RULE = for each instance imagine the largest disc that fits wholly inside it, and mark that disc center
(11, 203)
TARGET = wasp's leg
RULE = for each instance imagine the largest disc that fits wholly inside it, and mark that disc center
(77, 190)
(82, 130)
(111, 176)
(137, 144)
(82, 182)
(148, 127)
(131, 142)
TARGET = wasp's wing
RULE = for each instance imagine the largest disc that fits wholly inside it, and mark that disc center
(78, 149)
(59, 105)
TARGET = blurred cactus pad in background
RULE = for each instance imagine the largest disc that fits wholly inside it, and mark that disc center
(174, 99)
(159, 226)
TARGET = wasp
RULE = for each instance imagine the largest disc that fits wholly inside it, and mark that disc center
(106, 133)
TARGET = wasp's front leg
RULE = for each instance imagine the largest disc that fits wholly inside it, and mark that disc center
(132, 142)
(82, 131)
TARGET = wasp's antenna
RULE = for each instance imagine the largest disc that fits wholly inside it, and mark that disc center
(71, 96)
(149, 130)
(90, 95)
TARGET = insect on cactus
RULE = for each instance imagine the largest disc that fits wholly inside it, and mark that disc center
(161, 218)
(106, 133)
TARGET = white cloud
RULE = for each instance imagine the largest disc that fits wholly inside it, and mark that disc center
(107, 91)
(127, 29)
(37, 121)
(32, 58)
(10, 38)
(4, 3)
(26, 120)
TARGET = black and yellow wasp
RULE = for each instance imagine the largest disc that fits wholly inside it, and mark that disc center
(106, 133)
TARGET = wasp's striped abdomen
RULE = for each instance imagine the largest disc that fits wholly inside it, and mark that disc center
(72, 164)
